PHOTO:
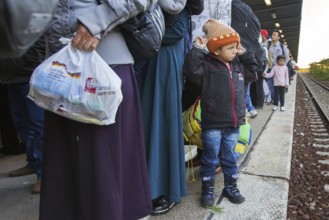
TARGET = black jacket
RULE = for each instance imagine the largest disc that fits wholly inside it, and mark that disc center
(246, 23)
(19, 70)
(222, 93)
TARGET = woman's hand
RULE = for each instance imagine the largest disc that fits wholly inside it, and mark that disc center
(84, 40)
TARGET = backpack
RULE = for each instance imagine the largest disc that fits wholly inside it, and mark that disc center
(192, 124)
(264, 59)
(22, 23)
(259, 57)
(289, 65)
(144, 33)
(269, 43)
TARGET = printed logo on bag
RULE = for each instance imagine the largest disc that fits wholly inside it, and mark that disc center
(91, 85)
(74, 75)
(94, 87)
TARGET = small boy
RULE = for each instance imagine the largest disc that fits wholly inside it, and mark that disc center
(220, 75)
(281, 81)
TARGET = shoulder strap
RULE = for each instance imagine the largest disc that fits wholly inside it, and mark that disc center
(281, 44)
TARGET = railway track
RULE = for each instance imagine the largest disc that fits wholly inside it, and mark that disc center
(319, 92)
(319, 119)
(309, 184)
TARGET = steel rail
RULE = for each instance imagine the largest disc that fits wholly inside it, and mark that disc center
(323, 112)
(317, 82)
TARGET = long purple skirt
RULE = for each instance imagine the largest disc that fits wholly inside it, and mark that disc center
(96, 172)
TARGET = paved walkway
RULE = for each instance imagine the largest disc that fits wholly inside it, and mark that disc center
(264, 177)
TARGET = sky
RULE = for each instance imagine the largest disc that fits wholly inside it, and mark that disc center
(314, 32)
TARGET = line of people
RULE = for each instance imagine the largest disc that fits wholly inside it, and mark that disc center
(127, 170)
(136, 166)
(271, 90)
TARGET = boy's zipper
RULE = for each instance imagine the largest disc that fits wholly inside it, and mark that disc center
(229, 67)
(235, 121)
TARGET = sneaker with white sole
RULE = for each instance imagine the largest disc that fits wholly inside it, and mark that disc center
(253, 113)
(275, 108)
(282, 109)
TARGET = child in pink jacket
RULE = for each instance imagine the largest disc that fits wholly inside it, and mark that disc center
(281, 81)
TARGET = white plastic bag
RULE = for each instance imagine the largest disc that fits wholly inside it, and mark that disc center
(78, 85)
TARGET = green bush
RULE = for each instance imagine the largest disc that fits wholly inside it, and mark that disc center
(320, 70)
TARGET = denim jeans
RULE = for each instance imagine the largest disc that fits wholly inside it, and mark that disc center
(249, 105)
(270, 83)
(219, 146)
(29, 123)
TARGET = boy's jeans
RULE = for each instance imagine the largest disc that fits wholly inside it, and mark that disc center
(219, 142)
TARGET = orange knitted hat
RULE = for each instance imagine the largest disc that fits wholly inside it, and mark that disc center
(219, 34)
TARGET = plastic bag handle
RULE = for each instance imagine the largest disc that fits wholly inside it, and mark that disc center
(75, 54)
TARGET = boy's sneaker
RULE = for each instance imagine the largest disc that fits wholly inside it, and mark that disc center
(231, 190)
(233, 194)
(275, 108)
(207, 196)
(253, 113)
(282, 109)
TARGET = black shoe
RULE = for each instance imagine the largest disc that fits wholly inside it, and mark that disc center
(207, 196)
(8, 151)
(4, 150)
(231, 190)
(259, 107)
(172, 205)
(160, 205)
(233, 194)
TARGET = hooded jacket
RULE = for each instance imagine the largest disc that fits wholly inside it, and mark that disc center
(222, 89)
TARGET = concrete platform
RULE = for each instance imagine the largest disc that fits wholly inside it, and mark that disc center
(16, 200)
(264, 173)
(264, 177)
